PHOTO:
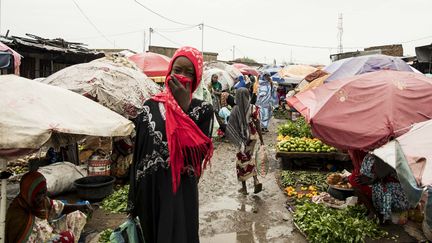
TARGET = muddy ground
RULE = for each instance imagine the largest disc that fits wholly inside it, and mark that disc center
(226, 215)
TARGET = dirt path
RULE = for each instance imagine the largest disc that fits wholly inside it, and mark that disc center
(227, 216)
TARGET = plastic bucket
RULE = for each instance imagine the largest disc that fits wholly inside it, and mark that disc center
(98, 166)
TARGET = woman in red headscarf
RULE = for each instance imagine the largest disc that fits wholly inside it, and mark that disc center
(172, 147)
(33, 217)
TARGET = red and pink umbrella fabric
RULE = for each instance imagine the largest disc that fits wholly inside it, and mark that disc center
(152, 64)
(365, 111)
(16, 55)
(245, 69)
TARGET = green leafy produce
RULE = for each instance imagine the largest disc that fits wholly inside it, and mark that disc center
(296, 144)
(280, 113)
(302, 178)
(105, 236)
(324, 224)
(116, 202)
(298, 128)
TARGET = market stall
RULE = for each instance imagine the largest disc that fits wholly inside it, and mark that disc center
(34, 114)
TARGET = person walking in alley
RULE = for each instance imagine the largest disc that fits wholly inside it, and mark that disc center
(244, 130)
(172, 147)
(265, 100)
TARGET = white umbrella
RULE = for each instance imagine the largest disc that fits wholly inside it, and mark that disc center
(231, 70)
(224, 78)
(31, 112)
(416, 146)
(113, 82)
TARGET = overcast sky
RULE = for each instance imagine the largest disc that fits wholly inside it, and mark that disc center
(121, 24)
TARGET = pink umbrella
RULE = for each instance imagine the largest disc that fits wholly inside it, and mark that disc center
(245, 69)
(16, 55)
(152, 64)
(365, 111)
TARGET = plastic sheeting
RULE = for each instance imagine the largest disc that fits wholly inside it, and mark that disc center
(111, 83)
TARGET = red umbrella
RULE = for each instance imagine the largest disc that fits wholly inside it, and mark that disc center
(365, 111)
(245, 69)
(152, 64)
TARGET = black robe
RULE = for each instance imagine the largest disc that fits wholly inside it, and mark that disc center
(164, 217)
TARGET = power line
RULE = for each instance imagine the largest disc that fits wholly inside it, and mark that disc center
(168, 39)
(275, 42)
(241, 35)
(422, 38)
(89, 20)
(175, 30)
(160, 15)
(109, 35)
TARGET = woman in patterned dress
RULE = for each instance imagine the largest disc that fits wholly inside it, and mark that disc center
(172, 147)
(31, 215)
(244, 130)
(387, 193)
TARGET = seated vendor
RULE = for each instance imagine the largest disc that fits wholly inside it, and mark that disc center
(387, 194)
(32, 216)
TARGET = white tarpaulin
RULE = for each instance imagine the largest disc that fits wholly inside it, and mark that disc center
(115, 83)
(416, 145)
(31, 112)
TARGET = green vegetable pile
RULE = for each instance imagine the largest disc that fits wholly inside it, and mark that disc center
(116, 202)
(280, 113)
(303, 178)
(296, 144)
(105, 236)
(323, 224)
(299, 128)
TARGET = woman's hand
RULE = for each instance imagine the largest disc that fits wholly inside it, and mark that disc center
(364, 180)
(181, 93)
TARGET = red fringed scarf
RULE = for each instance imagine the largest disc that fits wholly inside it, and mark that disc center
(186, 141)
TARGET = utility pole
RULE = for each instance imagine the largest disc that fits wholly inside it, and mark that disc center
(233, 53)
(202, 38)
(291, 59)
(0, 15)
(144, 42)
(340, 32)
(150, 34)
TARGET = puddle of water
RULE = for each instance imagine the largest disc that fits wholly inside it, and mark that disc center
(227, 204)
(236, 237)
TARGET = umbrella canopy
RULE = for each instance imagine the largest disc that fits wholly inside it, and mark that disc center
(32, 111)
(232, 71)
(416, 146)
(365, 111)
(272, 70)
(224, 78)
(364, 64)
(152, 64)
(312, 80)
(114, 85)
(245, 69)
(312, 85)
(16, 55)
(296, 71)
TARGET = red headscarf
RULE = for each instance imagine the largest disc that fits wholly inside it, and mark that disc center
(186, 141)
